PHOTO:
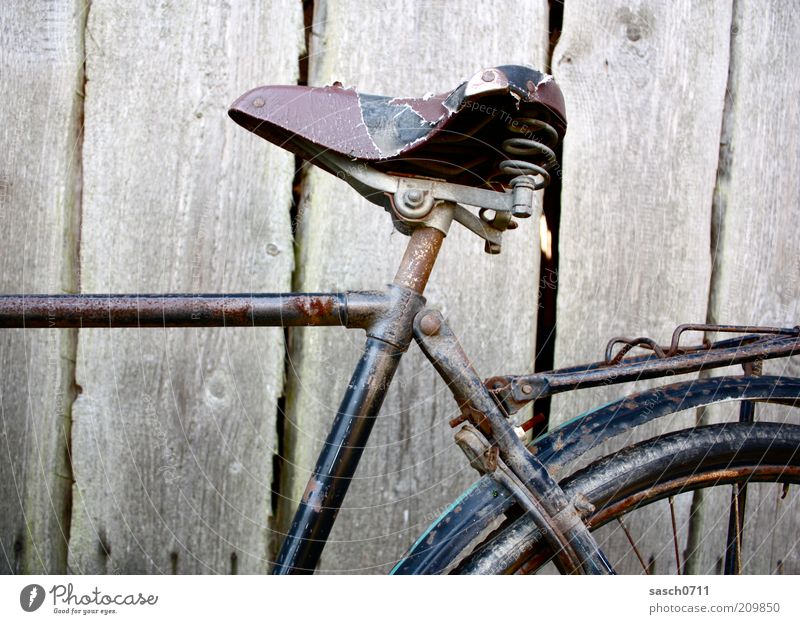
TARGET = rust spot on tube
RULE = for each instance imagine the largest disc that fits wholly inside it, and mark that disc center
(314, 309)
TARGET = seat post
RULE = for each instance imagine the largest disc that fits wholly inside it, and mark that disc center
(419, 258)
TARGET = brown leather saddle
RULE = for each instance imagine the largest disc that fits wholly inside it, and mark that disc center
(502, 122)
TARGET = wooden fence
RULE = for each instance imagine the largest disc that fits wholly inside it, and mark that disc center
(184, 451)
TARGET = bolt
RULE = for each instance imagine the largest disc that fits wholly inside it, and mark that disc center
(430, 324)
(527, 389)
(487, 76)
(414, 197)
(582, 505)
(258, 102)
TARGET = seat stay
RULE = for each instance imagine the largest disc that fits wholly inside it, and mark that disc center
(498, 446)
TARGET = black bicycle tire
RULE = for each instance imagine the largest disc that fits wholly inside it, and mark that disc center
(761, 448)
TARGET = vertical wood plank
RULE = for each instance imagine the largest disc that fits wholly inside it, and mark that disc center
(174, 431)
(411, 468)
(756, 277)
(644, 85)
(41, 70)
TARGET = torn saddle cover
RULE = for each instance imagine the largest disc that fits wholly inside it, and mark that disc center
(457, 136)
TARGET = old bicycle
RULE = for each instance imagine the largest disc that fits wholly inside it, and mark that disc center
(475, 157)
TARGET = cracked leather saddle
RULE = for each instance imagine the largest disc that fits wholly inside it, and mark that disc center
(463, 136)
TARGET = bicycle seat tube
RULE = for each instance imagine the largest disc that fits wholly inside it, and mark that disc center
(387, 339)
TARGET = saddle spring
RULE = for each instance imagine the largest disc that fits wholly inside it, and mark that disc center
(536, 140)
(531, 157)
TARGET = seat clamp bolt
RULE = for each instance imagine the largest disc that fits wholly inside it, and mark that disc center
(414, 197)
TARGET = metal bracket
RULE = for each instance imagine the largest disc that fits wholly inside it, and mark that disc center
(411, 200)
(482, 457)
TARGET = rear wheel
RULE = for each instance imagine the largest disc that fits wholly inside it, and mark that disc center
(717, 460)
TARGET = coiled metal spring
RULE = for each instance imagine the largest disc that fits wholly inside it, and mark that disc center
(527, 146)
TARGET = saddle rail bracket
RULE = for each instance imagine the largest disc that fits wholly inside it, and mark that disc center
(412, 200)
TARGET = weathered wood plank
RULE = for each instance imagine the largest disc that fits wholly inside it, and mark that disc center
(644, 85)
(411, 467)
(41, 69)
(174, 431)
(756, 278)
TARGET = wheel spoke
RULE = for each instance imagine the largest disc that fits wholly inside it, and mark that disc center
(733, 548)
(733, 545)
(633, 545)
(675, 533)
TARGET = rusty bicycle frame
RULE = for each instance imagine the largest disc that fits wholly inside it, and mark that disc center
(424, 207)
(392, 318)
